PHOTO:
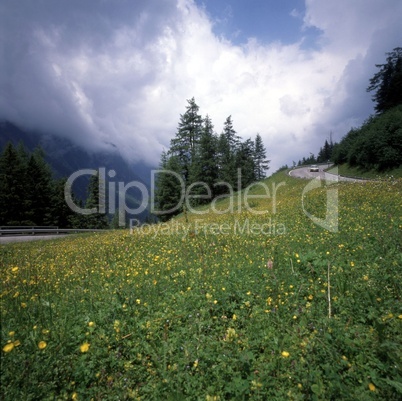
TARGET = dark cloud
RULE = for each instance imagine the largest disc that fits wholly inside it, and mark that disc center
(62, 62)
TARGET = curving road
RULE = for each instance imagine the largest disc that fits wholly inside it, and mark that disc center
(331, 175)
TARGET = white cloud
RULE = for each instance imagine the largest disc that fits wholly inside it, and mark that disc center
(122, 73)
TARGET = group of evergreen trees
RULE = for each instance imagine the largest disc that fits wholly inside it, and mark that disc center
(377, 144)
(323, 156)
(30, 196)
(205, 164)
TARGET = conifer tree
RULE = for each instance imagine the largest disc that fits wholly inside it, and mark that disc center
(388, 82)
(61, 214)
(98, 219)
(39, 189)
(260, 158)
(204, 167)
(168, 191)
(12, 187)
(245, 162)
(183, 146)
(228, 146)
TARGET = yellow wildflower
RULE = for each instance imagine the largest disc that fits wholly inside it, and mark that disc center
(371, 387)
(42, 345)
(285, 354)
(84, 347)
(8, 347)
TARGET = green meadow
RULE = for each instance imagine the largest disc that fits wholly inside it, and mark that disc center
(247, 299)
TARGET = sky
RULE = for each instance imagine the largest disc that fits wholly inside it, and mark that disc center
(117, 74)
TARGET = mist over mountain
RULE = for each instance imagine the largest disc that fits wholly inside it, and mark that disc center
(65, 157)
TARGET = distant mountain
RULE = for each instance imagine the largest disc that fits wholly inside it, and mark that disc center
(65, 158)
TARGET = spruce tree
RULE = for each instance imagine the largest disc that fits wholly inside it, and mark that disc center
(260, 158)
(228, 146)
(245, 162)
(12, 187)
(204, 167)
(168, 191)
(183, 146)
(61, 215)
(388, 82)
(97, 220)
(39, 189)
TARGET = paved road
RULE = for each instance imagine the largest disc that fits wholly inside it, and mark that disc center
(331, 175)
(26, 238)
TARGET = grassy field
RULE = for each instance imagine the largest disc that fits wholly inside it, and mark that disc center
(229, 306)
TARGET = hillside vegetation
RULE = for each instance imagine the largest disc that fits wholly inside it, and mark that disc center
(229, 306)
(376, 145)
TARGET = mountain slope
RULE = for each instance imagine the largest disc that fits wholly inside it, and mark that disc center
(65, 158)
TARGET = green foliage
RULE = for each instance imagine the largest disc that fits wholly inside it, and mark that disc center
(94, 201)
(184, 144)
(204, 168)
(13, 174)
(388, 82)
(376, 145)
(29, 195)
(169, 189)
(260, 161)
(209, 165)
(27, 189)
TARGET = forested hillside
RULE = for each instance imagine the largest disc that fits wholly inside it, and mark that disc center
(29, 195)
(24, 203)
(377, 144)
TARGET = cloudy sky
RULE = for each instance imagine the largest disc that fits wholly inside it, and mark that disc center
(119, 72)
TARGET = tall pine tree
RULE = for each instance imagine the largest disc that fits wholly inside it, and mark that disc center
(388, 82)
(40, 189)
(97, 220)
(184, 145)
(168, 191)
(204, 168)
(245, 162)
(260, 158)
(13, 191)
(228, 145)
